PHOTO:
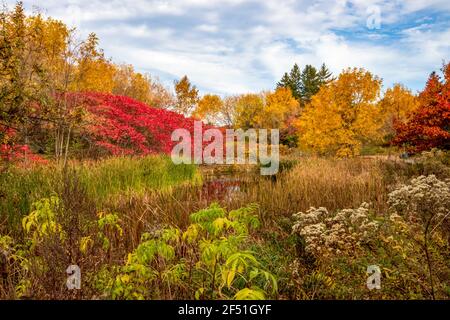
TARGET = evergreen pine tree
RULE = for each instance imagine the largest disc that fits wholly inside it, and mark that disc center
(285, 81)
(305, 83)
(310, 83)
(292, 81)
(295, 78)
(325, 75)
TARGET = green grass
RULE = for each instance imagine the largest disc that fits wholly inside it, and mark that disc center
(372, 150)
(137, 175)
(101, 180)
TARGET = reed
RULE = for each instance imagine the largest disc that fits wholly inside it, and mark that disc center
(103, 181)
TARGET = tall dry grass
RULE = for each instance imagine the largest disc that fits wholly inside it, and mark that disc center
(331, 183)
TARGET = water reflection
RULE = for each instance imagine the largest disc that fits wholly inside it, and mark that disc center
(221, 188)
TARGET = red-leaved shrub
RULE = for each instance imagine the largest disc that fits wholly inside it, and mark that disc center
(123, 126)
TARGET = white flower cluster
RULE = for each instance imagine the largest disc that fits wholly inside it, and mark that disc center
(326, 233)
(424, 197)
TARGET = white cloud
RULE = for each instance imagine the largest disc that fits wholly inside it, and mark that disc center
(231, 46)
(207, 28)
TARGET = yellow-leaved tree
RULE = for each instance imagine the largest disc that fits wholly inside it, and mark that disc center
(209, 109)
(342, 115)
(279, 105)
(397, 104)
(142, 87)
(96, 75)
(248, 109)
(186, 96)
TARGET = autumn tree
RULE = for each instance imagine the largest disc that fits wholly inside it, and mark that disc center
(278, 105)
(270, 110)
(342, 115)
(280, 109)
(128, 83)
(249, 108)
(41, 63)
(94, 72)
(160, 96)
(228, 112)
(83, 68)
(24, 74)
(186, 96)
(397, 105)
(429, 126)
(142, 87)
(209, 108)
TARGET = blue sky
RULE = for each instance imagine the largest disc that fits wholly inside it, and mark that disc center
(239, 46)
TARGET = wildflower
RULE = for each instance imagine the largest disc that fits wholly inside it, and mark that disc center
(326, 233)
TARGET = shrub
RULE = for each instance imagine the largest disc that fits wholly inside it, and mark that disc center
(426, 198)
(408, 243)
(119, 125)
(425, 205)
(339, 233)
(435, 161)
(58, 232)
(209, 259)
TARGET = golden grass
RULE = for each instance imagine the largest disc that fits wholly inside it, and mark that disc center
(330, 183)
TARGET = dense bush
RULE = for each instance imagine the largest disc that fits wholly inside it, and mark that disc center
(121, 125)
(410, 244)
(210, 259)
(344, 232)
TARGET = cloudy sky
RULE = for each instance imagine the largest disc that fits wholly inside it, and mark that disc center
(238, 46)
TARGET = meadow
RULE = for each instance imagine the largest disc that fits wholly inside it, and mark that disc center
(143, 228)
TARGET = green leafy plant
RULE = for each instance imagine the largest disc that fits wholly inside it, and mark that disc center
(208, 260)
(41, 222)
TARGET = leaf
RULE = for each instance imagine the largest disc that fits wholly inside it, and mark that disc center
(85, 244)
(198, 293)
(230, 277)
(250, 294)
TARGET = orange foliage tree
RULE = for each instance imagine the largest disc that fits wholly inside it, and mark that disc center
(429, 127)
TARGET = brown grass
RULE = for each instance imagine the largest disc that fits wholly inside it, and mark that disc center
(331, 183)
